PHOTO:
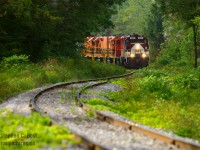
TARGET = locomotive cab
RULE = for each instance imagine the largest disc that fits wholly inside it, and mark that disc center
(137, 53)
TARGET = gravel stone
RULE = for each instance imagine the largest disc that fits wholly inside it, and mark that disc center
(61, 106)
(66, 111)
(20, 104)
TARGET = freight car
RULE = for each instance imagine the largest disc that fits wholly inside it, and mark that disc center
(131, 51)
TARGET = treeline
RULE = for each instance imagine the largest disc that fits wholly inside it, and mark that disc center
(173, 28)
(131, 17)
(50, 27)
(42, 29)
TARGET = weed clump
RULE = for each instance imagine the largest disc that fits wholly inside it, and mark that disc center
(18, 74)
(159, 98)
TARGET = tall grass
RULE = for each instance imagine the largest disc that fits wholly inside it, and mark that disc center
(161, 99)
(17, 74)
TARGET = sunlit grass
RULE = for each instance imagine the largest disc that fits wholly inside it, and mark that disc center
(14, 130)
(159, 99)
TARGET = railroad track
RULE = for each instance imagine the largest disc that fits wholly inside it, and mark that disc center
(128, 126)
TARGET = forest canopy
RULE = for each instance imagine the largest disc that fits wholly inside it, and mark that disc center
(50, 28)
(132, 17)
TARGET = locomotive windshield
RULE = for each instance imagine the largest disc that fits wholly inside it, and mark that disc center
(136, 40)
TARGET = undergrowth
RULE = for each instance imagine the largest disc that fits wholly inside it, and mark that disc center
(31, 132)
(18, 74)
(160, 98)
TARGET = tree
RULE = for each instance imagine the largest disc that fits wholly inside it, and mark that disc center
(50, 28)
(154, 30)
(26, 27)
(187, 11)
(132, 17)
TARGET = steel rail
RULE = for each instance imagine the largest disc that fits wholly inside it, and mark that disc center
(131, 126)
(179, 143)
(91, 145)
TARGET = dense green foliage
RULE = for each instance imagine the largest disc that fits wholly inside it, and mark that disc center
(164, 97)
(48, 28)
(154, 30)
(174, 16)
(17, 74)
(167, 99)
(161, 22)
(178, 44)
(15, 128)
(131, 17)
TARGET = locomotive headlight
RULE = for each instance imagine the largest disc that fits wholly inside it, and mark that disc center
(144, 55)
(137, 46)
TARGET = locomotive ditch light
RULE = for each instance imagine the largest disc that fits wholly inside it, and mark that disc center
(144, 55)
(132, 55)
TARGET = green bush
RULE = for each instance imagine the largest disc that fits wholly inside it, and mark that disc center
(189, 81)
(164, 60)
(15, 61)
(160, 86)
(159, 98)
(18, 74)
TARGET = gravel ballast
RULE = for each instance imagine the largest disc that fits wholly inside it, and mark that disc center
(61, 106)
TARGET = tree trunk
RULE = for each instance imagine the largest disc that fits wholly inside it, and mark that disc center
(195, 45)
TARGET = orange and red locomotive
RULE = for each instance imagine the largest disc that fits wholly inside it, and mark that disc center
(131, 51)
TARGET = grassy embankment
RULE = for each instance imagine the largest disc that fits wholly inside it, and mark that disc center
(162, 97)
(17, 74)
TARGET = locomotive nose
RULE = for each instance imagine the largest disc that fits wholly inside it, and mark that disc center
(137, 46)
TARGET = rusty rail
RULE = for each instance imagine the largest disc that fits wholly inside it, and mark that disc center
(131, 126)
(91, 145)
(183, 144)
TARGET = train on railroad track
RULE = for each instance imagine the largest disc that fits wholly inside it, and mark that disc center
(131, 51)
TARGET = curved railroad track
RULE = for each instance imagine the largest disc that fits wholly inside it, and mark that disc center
(47, 102)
